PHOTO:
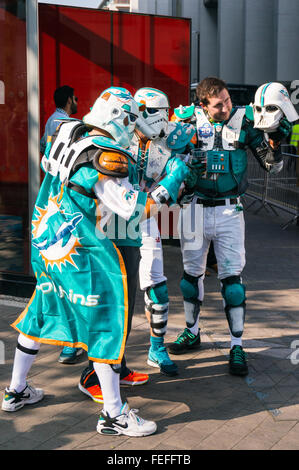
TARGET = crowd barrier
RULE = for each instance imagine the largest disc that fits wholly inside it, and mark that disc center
(279, 191)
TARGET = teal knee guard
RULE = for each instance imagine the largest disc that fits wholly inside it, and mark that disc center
(189, 288)
(233, 292)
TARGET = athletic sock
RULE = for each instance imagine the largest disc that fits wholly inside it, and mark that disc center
(25, 354)
(235, 341)
(110, 387)
(156, 342)
(194, 329)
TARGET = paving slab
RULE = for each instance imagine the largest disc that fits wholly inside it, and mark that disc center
(203, 408)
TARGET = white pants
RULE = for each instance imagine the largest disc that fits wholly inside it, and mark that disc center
(225, 226)
(151, 268)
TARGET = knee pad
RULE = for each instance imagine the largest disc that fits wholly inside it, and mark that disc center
(157, 302)
(189, 287)
(233, 292)
(190, 291)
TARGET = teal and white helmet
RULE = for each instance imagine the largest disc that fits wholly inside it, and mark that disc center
(184, 113)
(115, 111)
(153, 121)
(271, 104)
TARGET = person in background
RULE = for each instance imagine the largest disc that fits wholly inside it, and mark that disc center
(66, 105)
(294, 140)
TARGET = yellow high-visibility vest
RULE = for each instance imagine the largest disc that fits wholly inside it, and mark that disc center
(294, 140)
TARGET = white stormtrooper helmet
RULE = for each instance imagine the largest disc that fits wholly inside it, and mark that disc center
(115, 111)
(271, 104)
(153, 121)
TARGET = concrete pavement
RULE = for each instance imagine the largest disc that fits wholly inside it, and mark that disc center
(203, 408)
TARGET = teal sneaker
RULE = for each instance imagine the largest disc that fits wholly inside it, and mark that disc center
(159, 358)
(238, 361)
(184, 342)
(70, 355)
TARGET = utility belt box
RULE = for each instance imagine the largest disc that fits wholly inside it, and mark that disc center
(218, 161)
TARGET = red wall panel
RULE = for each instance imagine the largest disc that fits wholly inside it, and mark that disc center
(152, 51)
(93, 49)
(13, 140)
(75, 51)
(13, 111)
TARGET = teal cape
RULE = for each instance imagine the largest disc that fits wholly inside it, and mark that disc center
(80, 299)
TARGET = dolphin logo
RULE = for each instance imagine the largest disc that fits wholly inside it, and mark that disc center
(121, 93)
(63, 233)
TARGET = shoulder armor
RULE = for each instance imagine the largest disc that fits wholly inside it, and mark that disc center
(65, 150)
(111, 163)
(105, 143)
(249, 112)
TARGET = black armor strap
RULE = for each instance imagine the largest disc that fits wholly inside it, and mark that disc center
(79, 189)
(33, 352)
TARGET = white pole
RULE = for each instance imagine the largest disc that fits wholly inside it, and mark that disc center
(33, 103)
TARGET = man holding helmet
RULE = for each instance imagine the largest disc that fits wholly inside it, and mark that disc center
(224, 133)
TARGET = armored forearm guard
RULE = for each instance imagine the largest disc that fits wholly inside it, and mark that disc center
(266, 156)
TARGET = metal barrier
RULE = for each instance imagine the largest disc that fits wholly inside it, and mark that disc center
(275, 191)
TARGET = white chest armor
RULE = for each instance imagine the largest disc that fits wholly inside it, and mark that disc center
(158, 155)
(230, 131)
(63, 154)
(154, 159)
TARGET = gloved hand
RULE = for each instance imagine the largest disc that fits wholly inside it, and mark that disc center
(196, 169)
(185, 197)
(283, 131)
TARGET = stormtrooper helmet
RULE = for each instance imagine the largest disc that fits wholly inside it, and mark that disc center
(115, 111)
(271, 104)
(153, 121)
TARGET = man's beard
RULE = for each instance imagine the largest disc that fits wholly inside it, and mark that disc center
(74, 108)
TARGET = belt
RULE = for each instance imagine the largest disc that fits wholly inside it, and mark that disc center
(217, 202)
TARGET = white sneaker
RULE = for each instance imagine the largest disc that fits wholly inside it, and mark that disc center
(14, 401)
(127, 423)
